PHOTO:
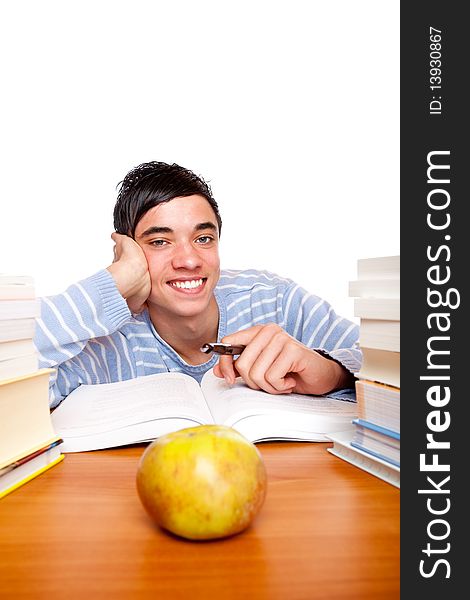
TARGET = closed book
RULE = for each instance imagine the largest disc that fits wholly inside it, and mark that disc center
(9, 279)
(26, 470)
(378, 431)
(382, 366)
(17, 329)
(381, 334)
(15, 348)
(20, 309)
(25, 419)
(380, 267)
(377, 308)
(378, 403)
(366, 461)
(28, 456)
(20, 365)
(379, 441)
(15, 287)
(375, 288)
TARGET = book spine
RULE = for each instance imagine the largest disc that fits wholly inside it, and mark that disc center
(370, 425)
(377, 454)
(389, 474)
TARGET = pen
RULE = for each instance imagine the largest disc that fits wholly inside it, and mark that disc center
(220, 348)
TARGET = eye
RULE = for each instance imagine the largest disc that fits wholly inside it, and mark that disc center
(158, 243)
(205, 239)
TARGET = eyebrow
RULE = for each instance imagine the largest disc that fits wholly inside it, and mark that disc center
(206, 225)
(156, 229)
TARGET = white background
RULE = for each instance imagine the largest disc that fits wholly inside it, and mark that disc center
(289, 109)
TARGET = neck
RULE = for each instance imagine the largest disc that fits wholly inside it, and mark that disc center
(186, 335)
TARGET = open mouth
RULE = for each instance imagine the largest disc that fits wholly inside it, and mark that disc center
(187, 285)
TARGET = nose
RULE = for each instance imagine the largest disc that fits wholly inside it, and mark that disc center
(185, 256)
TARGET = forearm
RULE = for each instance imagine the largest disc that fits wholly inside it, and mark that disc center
(89, 309)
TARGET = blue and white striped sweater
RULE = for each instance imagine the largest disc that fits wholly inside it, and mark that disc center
(90, 336)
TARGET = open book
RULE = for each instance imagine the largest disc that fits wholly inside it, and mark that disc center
(142, 409)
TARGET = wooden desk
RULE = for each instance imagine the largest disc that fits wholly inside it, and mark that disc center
(327, 530)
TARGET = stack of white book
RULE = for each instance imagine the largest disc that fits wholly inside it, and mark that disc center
(28, 443)
(374, 445)
(18, 311)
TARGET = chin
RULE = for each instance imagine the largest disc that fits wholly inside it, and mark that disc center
(179, 309)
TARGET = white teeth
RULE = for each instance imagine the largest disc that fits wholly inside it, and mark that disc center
(194, 283)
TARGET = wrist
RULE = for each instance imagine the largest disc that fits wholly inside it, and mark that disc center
(116, 273)
(127, 278)
(340, 378)
(337, 376)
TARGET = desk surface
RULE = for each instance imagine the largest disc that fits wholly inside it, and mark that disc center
(327, 530)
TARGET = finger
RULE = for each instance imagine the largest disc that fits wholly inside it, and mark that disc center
(278, 351)
(218, 372)
(226, 364)
(117, 248)
(255, 339)
(116, 237)
(262, 338)
(280, 372)
(226, 368)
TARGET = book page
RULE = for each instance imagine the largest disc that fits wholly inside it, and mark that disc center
(92, 409)
(289, 415)
(137, 433)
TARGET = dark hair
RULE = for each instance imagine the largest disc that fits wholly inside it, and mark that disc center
(150, 184)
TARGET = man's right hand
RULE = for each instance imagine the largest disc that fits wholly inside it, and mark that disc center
(130, 272)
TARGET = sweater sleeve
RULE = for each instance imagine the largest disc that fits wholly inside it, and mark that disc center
(311, 320)
(89, 309)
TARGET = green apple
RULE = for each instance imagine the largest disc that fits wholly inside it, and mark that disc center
(202, 482)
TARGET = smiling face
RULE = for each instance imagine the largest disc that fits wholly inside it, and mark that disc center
(180, 240)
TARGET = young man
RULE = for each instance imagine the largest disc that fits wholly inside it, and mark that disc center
(164, 297)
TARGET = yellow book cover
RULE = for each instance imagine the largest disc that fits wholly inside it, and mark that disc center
(29, 476)
(25, 418)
